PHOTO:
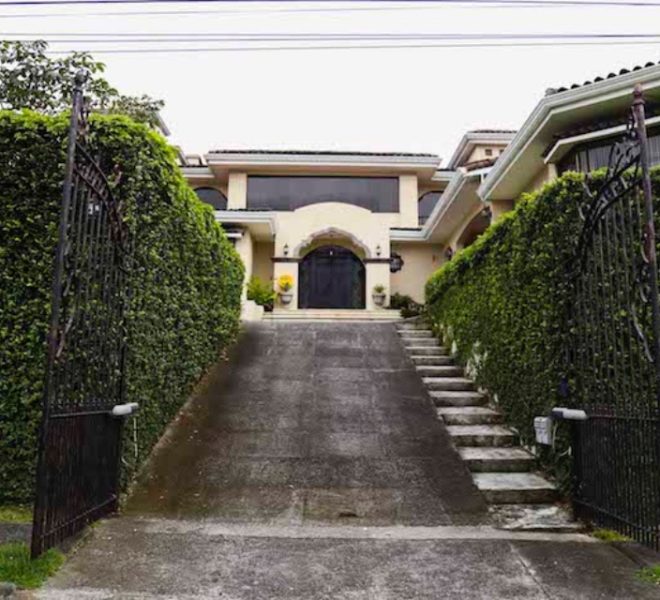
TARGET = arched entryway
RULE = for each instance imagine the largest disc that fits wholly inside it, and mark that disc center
(331, 277)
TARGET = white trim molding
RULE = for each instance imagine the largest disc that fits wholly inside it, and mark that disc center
(245, 217)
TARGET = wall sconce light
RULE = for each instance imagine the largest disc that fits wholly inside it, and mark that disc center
(378, 250)
(449, 253)
(286, 249)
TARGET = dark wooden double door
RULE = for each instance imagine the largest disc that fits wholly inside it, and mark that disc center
(331, 277)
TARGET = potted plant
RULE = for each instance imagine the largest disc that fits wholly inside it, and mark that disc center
(262, 293)
(378, 295)
(285, 283)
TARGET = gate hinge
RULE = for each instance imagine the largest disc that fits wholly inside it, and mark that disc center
(124, 410)
(568, 414)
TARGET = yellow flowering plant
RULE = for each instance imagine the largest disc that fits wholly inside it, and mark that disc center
(285, 282)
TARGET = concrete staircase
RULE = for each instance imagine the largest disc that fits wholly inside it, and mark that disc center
(501, 468)
(329, 314)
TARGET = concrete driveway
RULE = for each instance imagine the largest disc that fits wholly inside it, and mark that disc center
(312, 466)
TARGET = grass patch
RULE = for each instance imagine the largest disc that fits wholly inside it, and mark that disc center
(16, 566)
(15, 514)
(609, 535)
(650, 574)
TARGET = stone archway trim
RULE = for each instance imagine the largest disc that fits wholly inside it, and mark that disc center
(332, 232)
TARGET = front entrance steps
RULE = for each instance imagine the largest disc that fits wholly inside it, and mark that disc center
(331, 314)
(501, 468)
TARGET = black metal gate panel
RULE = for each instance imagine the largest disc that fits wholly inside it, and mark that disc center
(614, 357)
(331, 277)
(79, 452)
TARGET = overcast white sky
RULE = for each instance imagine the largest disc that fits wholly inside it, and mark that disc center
(415, 100)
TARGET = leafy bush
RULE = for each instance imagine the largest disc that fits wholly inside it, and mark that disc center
(261, 293)
(407, 306)
(502, 302)
(186, 296)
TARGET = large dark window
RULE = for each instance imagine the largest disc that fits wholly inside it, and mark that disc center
(377, 194)
(589, 157)
(426, 205)
(213, 197)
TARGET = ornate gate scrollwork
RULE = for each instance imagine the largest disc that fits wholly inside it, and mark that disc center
(614, 352)
(79, 451)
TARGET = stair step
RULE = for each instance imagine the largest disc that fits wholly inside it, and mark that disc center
(440, 370)
(449, 398)
(448, 383)
(431, 360)
(411, 325)
(482, 435)
(515, 488)
(409, 334)
(426, 350)
(490, 459)
(419, 342)
(468, 415)
(534, 517)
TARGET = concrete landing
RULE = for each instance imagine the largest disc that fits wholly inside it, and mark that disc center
(137, 559)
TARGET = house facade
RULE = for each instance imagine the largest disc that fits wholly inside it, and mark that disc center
(343, 225)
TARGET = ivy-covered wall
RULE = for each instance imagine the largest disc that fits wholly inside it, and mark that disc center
(186, 302)
(502, 302)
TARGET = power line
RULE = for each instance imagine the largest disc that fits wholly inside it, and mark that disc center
(626, 3)
(259, 12)
(434, 5)
(350, 47)
(150, 37)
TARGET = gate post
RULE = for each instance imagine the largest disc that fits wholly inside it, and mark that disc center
(649, 236)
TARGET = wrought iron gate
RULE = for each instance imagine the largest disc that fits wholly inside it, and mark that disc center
(614, 355)
(79, 452)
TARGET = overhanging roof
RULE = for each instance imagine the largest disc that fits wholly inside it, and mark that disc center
(329, 161)
(475, 138)
(559, 111)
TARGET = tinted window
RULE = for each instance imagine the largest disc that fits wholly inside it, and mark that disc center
(377, 194)
(213, 197)
(590, 157)
(426, 205)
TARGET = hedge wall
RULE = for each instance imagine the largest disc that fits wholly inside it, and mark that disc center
(502, 301)
(187, 297)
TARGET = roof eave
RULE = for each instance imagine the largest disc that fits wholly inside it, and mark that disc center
(616, 86)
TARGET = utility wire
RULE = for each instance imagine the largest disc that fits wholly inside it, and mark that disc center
(268, 37)
(241, 13)
(629, 3)
(347, 47)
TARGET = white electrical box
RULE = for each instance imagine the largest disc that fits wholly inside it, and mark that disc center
(543, 426)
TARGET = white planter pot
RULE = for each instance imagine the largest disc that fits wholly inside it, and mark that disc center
(286, 297)
(379, 299)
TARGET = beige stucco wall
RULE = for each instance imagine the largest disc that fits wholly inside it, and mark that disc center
(287, 268)
(479, 152)
(408, 201)
(237, 191)
(262, 265)
(458, 232)
(545, 175)
(244, 247)
(500, 207)
(420, 261)
(300, 228)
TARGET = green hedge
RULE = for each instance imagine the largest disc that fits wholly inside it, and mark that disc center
(187, 298)
(502, 301)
